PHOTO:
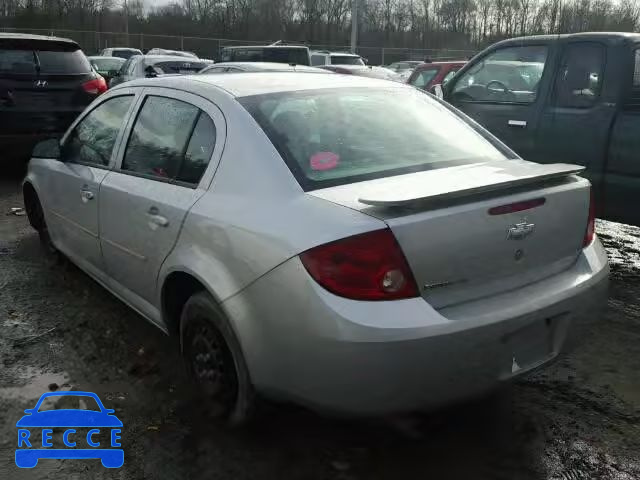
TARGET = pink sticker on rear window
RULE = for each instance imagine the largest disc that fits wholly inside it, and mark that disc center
(324, 161)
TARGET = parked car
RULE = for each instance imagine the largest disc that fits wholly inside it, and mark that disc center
(572, 98)
(325, 57)
(45, 82)
(151, 66)
(351, 244)
(120, 52)
(364, 71)
(427, 75)
(236, 67)
(291, 54)
(107, 67)
(174, 53)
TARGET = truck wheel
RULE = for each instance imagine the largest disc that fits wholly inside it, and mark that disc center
(214, 361)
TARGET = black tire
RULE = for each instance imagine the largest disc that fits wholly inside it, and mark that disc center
(37, 220)
(215, 362)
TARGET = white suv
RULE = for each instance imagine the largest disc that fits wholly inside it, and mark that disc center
(325, 57)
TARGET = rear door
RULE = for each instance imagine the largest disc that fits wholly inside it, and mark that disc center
(622, 172)
(504, 91)
(577, 118)
(72, 186)
(167, 163)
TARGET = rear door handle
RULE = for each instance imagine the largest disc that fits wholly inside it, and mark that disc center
(517, 123)
(155, 219)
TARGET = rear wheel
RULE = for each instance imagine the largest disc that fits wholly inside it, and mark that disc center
(214, 360)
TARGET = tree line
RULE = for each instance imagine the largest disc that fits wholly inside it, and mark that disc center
(419, 24)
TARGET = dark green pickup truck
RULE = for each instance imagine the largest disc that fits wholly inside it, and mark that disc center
(564, 98)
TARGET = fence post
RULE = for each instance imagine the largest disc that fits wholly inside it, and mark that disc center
(142, 42)
(382, 60)
(181, 43)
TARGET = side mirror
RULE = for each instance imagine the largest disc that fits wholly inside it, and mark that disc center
(437, 91)
(49, 148)
(150, 72)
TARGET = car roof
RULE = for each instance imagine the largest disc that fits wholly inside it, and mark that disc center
(532, 39)
(131, 49)
(267, 46)
(269, 66)
(244, 84)
(28, 36)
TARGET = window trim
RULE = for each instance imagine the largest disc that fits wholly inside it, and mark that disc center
(549, 59)
(553, 96)
(201, 103)
(114, 151)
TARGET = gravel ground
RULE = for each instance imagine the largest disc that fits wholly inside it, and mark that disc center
(578, 419)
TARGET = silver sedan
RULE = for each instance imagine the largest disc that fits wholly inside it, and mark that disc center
(347, 243)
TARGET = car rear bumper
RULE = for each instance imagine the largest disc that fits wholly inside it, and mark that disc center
(305, 344)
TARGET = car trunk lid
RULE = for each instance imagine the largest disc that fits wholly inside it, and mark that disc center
(477, 230)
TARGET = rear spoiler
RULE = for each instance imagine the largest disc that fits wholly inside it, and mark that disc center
(398, 191)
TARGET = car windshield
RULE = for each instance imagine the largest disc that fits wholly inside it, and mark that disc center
(74, 402)
(179, 67)
(339, 136)
(297, 55)
(346, 60)
(107, 64)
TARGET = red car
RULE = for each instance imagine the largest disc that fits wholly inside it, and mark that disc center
(428, 74)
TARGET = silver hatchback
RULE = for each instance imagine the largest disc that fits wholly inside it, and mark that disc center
(347, 243)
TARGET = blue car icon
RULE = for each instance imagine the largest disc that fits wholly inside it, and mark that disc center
(27, 456)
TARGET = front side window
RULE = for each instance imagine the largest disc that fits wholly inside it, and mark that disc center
(579, 77)
(93, 139)
(339, 136)
(170, 140)
(424, 77)
(508, 75)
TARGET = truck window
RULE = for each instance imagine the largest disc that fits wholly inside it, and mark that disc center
(633, 100)
(579, 78)
(508, 75)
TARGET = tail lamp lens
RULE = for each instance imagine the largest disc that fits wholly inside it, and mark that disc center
(369, 266)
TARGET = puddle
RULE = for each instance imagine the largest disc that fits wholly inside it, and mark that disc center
(36, 383)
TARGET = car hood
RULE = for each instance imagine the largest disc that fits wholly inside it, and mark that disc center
(69, 418)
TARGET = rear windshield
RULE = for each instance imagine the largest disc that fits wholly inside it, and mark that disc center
(126, 54)
(57, 60)
(299, 56)
(179, 67)
(346, 60)
(339, 136)
(105, 64)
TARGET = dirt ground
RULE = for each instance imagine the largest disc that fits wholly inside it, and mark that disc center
(578, 419)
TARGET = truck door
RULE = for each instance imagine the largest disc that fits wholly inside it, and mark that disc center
(576, 122)
(622, 171)
(504, 91)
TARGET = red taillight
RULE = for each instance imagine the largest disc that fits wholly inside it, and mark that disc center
(591, 223)
(369, 266)
(96, 86)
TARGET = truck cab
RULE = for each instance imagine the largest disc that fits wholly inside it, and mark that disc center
(564, 98)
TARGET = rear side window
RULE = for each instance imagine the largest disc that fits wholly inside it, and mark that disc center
(171, 140)
(339, 136)
(579, 77)
(92, 140)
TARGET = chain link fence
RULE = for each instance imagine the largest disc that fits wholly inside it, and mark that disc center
(92, 42)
